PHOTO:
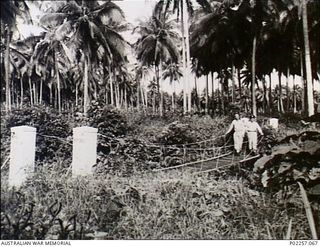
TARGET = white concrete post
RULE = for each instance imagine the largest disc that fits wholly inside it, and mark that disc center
(84, 154)
(22, 154)
(274, 123)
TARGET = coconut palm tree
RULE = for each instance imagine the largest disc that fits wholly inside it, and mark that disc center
(183, 8)
(157, 45)
(10, 9)
(93, 32)
(173, 73)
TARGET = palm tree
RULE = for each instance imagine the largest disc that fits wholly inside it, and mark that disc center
(157, 44)
(93, 32)
(173, 72)
(183, 9)
(9, 10)
(310, 108)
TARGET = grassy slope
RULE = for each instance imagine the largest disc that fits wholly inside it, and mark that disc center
(148, 205)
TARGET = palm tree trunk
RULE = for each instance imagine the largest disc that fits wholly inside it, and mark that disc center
(21, 87)
(121, 96)
(41, 90)
(86, 87)
(239, 82)
(212, 93)
(7, 71)
(294, 95)
(253, 92)
(111, 86)
(125, 99)
(264, 85)
(106, 94)
(50, 94)
(303, 86)
(146, 98)
(207, 94)
(142, 97)
(77, 94)
(58, 81)
(222, 97)
(287, 90)
(30, 89)
(280, 103)
(184, 68)
(310, 102)
(197, 103)
(270, 94)
(138, 95)
(188, 63)
(233, 84)
(35, 94)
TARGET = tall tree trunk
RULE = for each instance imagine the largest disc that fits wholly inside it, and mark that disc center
(7, 71)
(138, 95)
(212, 93)
(184, 68)
(161, 92)
(86, 87)
(294, 95)
(270, 94)
(21, 87)
(111, 86)
(253, 88)
(188, 63)
(239, 82)
(264, 94)
(125, 99)
(207, 94)
(146, 97)
(58, 81)
(280, 102)
(287, 90)
(77, 94)
(50, 94)
(41, 91)
(30, 90)
(310, 105)
(303, 85)
(222, 97)
(233, 84)
(197, 102)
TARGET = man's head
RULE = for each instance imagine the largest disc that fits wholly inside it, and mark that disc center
(252, 118)
(237, 116)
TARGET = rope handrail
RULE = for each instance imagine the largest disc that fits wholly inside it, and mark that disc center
(193, 162)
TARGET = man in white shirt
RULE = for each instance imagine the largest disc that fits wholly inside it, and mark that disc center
(239, 129)
(252, 129)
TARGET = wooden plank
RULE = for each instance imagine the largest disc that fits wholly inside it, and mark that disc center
(250, 158)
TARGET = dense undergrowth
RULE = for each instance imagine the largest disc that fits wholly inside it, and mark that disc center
(126, 199)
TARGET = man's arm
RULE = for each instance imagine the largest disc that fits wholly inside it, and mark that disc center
(230, 128)
(259, 129)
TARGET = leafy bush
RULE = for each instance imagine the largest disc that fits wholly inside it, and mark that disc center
(295, 158)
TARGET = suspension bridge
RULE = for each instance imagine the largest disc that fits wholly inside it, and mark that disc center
(203, 156)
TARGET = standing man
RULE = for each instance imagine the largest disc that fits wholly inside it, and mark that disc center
(252, 128)
(239, 129)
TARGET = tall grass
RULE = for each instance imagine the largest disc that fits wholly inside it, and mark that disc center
(162, 205)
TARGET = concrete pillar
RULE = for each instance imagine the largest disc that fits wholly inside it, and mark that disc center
(84, 154)
(22, 154)
(274, 123)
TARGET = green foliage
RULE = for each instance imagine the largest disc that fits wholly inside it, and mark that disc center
(295, 158)
(174, 205)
